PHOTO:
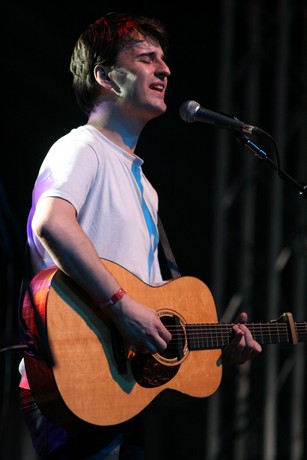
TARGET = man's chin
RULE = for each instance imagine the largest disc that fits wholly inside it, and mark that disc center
(160, 108)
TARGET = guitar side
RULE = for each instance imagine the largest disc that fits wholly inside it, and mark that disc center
(84, 383)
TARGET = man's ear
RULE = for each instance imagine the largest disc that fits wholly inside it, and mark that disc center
(101, 75)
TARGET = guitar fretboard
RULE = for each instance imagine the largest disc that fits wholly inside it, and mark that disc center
(212, 336)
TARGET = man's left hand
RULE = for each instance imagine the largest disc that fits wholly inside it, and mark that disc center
(242, 346)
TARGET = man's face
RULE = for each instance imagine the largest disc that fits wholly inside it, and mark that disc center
(141, 75)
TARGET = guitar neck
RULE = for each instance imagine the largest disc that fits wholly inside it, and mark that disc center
(212, 336)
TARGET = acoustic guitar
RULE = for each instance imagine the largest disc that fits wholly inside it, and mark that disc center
(95, 379)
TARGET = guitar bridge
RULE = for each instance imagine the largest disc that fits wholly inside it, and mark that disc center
(119, 350)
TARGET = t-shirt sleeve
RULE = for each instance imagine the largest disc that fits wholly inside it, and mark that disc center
(67, 172)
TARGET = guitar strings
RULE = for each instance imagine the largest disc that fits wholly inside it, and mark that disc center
(220, 334)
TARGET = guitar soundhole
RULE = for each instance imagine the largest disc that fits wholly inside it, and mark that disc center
(156, 370)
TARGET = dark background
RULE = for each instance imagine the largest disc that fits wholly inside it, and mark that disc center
(231, 220)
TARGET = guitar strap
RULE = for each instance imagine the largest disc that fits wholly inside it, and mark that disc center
(168, 253)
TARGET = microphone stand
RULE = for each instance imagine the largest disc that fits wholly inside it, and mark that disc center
(245, 140)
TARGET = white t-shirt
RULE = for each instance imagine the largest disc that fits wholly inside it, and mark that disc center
(116, 205)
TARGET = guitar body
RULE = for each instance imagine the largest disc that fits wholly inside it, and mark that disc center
(86, 385)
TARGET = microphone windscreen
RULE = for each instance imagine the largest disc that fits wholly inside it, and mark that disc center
(187, 111)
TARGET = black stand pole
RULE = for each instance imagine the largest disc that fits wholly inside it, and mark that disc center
(245, 140)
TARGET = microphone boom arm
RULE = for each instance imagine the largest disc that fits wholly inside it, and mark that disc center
(245, 140)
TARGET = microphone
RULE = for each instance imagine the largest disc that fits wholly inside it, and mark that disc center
(191, 111)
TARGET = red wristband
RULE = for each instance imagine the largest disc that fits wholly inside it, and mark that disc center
(115, 297)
